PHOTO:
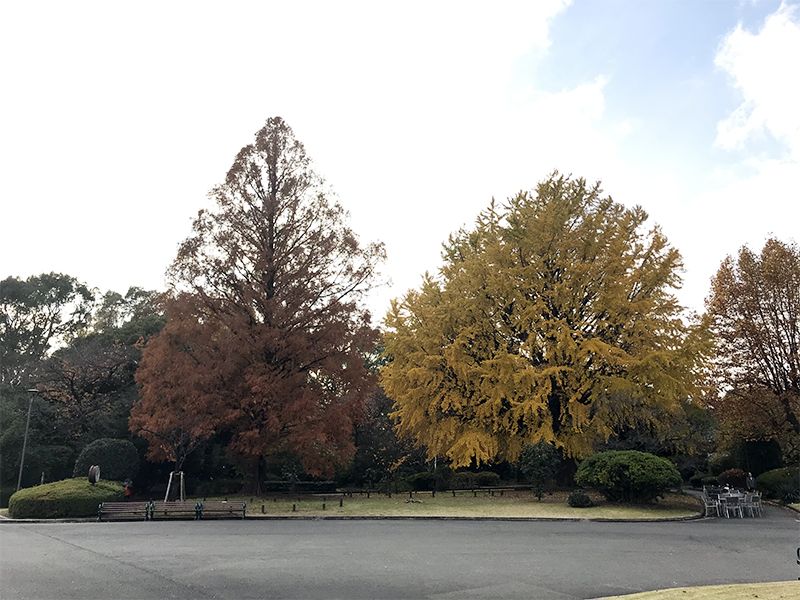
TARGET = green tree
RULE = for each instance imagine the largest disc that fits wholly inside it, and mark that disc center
(35, 314)
(553, 319)
(118, 459)
(539, 463)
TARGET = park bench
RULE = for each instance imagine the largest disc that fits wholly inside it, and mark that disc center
(222, 509)
(123, 510)
(172, 510)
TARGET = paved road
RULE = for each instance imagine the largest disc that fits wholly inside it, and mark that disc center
(389, 559)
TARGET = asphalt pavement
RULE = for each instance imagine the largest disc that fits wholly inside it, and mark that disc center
(354, 559)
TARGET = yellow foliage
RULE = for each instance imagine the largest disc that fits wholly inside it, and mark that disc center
(552, 319)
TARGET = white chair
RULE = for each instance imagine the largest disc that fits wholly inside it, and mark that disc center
(711, 504)
(732, 505)
(752, 504)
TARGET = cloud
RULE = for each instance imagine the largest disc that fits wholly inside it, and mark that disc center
(764, 68)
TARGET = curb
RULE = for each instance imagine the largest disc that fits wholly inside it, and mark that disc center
(695, 517)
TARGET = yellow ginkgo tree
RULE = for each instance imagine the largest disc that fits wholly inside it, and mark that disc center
(553, 319)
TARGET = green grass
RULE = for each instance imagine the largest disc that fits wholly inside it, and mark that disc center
(465, 504)
(780, 590)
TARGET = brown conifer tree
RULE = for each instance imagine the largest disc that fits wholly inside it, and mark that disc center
(266, 331)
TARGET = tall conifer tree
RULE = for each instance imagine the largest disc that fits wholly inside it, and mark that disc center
(266, 330)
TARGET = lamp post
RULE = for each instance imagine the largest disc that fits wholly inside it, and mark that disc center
(25, 439)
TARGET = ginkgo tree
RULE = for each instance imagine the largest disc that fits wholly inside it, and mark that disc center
(552, 319)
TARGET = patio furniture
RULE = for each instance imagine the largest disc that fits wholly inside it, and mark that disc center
(752, 504)
(711, 504)
(732, 504)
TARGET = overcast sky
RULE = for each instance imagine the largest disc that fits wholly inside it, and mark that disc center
(117, 118)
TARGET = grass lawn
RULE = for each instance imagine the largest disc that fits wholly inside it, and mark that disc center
(781, 590)
(465, 504)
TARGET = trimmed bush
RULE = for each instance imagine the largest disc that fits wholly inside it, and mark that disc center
(733, 477)
(709, 480)
(487, 479)
(421, 482)
(62, 499)
(466, 480)
(579, 499)
(118, 459)
(696, 480)
(628, 475)
(772, 482)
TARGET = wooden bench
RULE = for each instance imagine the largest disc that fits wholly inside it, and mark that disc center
(123, 510)
(222, 509)
(173, 510)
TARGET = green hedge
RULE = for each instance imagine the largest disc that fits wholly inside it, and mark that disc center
(772, 482)
(466, 480)
(628, 475)
(118, 459)
(63, 499)
(424, 481)
(462, 480)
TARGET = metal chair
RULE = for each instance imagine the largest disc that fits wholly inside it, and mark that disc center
(732, 505)
(711, 504)
(752, 503)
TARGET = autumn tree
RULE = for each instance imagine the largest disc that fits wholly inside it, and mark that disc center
(553, 319)
(755, 307)
(176, 411)
(266, 325)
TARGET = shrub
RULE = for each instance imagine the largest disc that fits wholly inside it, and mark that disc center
(486, 479)
(628, 475)
(579, 499)
(696, 480)
(62, 499)
(771, 482)
(466, 480)
(789, 492)
(733, 477)
(424, 481)
(709, 480)
(118, 459)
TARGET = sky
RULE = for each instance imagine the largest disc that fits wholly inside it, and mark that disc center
(116, 119)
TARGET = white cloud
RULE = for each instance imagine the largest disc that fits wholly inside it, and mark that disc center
(765, 68)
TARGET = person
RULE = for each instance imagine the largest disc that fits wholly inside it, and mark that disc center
(750, 482)
(128, 483)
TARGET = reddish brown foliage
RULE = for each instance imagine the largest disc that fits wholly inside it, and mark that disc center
(265, 337)
(755, 305)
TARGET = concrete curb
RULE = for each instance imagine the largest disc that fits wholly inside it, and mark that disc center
(695, 517)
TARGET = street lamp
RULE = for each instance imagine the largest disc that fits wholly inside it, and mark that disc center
(25, 439)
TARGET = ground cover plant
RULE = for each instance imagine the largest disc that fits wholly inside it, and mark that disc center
(512, 504)
(63, 499)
